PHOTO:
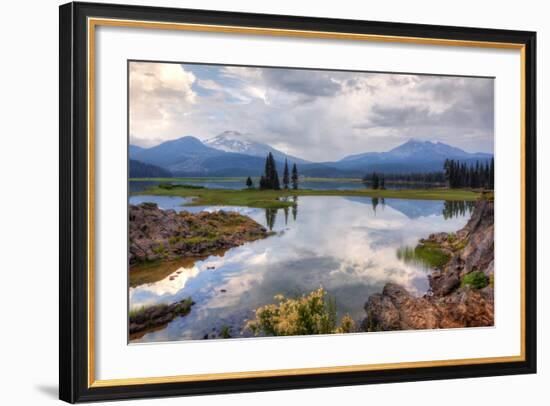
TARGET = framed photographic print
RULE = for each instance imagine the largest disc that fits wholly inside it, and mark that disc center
(257, 202)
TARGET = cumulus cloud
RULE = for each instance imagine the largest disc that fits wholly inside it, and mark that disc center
(160, 97)
(317, 115)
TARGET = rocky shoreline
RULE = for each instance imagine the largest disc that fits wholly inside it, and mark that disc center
(158, 235)
(156, 317)
(461, 290)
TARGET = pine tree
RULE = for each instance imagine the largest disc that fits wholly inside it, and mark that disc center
(263, 183)
(375, 181)
(447, 170)
(268, 172)
(276, 184)
(249, 183)
(294, 177)
(382, 182)
(274, 175)
(270, 176)
(286, 179)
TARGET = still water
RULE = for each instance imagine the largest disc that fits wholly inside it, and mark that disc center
(346, 245)
(232, 183)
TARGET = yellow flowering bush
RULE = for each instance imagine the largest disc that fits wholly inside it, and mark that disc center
(314, 313)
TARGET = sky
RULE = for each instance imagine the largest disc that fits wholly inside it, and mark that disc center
(317, 115)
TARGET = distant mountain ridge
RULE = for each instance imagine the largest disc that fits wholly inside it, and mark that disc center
(138, 169)
(417, 149)
(234, 154)
(234, 141)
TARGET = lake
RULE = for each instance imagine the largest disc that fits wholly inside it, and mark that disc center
(237, 183)
(347, 245)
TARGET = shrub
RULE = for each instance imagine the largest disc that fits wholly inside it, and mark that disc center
(476, 280)
(314, 313)
(347, 325)
(225, 332)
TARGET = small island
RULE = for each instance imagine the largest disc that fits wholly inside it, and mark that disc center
(164, 235)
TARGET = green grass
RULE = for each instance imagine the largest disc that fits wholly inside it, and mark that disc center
(190, 180)
(476, 280)
(428, 254)
(431, 255)
(270, 198)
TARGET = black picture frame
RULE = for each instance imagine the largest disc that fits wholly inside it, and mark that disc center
(74, 385)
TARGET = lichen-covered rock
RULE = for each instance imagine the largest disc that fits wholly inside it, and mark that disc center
(156, 234)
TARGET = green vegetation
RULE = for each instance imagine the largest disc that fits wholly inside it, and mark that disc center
(286, 176)
(177, 309)
(189, 180)
(377, 181)
(272, 198)
(432, 255)
(270, 177)
(141, 311)
(408, 178)
(475, 279)
(429, 254)
(294, 177)
(225, 332)
(463, 174)
(156, 317)
(314, 313)
(170, 186)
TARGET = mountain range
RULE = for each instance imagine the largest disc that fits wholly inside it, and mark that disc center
(234, 154)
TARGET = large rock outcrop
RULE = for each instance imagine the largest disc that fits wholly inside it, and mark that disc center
(452, 301)
(157, 234)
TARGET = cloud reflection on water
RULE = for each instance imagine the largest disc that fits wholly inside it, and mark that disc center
(344, 245)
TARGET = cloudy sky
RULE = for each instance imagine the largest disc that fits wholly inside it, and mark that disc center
(316, 115)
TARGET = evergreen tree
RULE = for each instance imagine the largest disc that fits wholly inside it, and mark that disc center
(268, 172)
(473, 175)
(263, 183)
(294, 177)
(276, 184)
(382, 182)
(286, 179)
(270, 176)
(249, 183)
(375, 181)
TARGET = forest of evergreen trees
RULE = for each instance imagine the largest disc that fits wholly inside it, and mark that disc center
(455, 174)
(473, 175)
(413, 177)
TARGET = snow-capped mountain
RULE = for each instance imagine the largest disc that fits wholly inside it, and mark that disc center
(417, 150)
(234, 141)
(234, 154)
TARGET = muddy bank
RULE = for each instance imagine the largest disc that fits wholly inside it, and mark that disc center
(159, 235)
(461, 287)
